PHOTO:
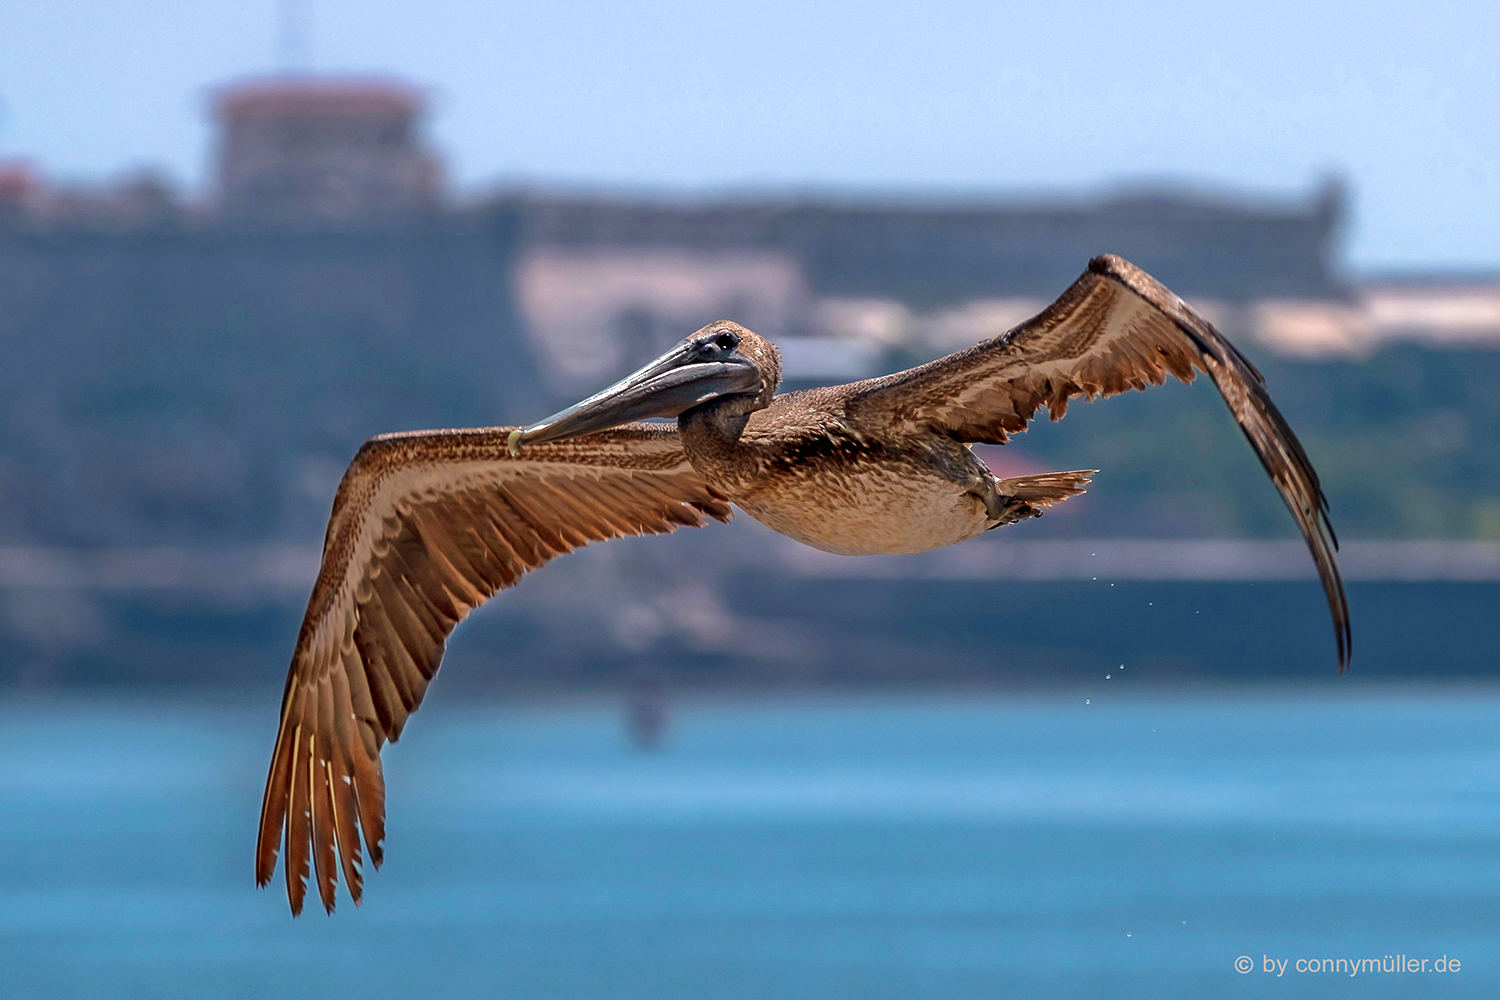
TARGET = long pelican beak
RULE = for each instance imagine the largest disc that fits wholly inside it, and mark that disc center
(689, 374)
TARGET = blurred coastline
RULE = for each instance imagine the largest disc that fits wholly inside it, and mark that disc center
(751, 609)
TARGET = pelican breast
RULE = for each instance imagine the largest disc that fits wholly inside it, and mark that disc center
(801, 470)
(873, 509)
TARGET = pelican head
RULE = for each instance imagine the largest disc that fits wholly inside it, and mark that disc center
(722, 361)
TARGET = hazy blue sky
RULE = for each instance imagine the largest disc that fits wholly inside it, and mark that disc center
(947, 96)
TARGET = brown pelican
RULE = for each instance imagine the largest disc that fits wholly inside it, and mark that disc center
(427, 526)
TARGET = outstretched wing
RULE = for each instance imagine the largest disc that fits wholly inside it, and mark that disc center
(425, 528)
(1115, 328)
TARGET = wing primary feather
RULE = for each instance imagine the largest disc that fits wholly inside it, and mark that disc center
(320, 778)
(370, 780)
(297, 834)
(274, 804)
(344, 805)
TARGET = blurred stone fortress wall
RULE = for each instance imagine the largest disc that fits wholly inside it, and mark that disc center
(883, 274)
(208, 384)
(926, 277)
(193, 375)
(188, 379)
(928, 252)
(186, 371)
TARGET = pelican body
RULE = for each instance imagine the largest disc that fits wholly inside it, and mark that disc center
(805, 457)
(428, 525)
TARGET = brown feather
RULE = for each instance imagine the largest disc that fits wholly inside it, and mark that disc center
(1046, 489)
(345, 806)
(325, 869)
(274, 803)
(297, 833)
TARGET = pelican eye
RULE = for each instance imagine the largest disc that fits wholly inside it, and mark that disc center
(727, 341)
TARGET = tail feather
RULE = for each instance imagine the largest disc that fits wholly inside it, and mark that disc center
(1046, 489)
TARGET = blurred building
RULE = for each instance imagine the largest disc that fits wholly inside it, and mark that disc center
(315, 149)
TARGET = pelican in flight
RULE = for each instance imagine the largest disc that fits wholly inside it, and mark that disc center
(426, 526)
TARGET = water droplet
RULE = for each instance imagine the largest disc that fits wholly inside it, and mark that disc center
(1096, 578)
(1149, 603)
(1086, 701)
(1127, 934)
(1106, 676)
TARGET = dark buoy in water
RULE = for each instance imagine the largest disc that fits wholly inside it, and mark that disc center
(646, 714)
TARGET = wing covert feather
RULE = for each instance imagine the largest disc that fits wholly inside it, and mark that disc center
(426, 527)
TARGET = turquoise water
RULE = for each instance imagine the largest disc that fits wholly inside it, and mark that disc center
(852, 847)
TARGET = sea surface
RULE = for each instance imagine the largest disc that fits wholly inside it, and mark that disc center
(1127, 845)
